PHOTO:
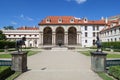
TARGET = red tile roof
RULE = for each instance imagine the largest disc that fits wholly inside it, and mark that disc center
(28, 28)
(66, 20)
(110, 23)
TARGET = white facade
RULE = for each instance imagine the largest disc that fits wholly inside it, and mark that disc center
(92, 32)
(32, 36)
(111, 35)
(111, 32)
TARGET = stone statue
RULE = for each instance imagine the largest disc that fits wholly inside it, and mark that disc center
(19, 44)
(99, 44)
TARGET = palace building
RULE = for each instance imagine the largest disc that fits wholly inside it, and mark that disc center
(67, 30)
(111, 32)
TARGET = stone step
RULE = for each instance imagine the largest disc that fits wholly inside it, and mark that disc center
(59, 49)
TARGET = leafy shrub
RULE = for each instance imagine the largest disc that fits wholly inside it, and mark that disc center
(1, 50)
(113, 45)
(115, 71)
(9, 44)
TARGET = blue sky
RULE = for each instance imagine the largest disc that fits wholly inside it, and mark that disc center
(30, 12)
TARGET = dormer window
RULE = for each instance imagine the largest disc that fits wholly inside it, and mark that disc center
(71, 20)
(85, 20)
(59, 20)
(47, 20)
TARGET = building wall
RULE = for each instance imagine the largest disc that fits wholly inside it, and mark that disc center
(87, 41)
(81, 30)
(108, 36)
(32, 36)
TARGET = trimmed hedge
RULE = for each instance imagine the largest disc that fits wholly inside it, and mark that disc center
(115, 71)
(5, 72)
(9, 44)
(113, 45)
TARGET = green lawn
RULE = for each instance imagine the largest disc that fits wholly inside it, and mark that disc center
(104, 76)
(2, 68)
(87, 53)
(9, 55)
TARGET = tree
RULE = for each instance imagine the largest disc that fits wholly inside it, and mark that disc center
(2, 36)
(8, 27)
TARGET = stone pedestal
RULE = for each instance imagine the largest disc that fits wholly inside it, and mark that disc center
(98, 61)
(19, 61)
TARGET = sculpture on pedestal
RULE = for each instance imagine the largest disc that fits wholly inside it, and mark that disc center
(19, 44)
(99, 44)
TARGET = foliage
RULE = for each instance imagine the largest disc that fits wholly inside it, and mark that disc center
(113, 45)
(13, 76)
(8, 27)
(5, 71)
(115, 71)
(2, 36)
(9, 44)
(104, 76)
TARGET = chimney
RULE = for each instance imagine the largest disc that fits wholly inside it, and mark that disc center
(106, 20)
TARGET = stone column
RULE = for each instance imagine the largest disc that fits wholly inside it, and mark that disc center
(78, 38)
(98, 61)
(41, 38)
(53, 38)
(19, 61)
(66, 38)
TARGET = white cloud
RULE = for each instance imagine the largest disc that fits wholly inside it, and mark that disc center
(26, 18)
(29, 18)
(78, 1)
(14, 23)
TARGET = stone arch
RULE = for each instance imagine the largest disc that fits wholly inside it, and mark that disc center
(47, 36)
(59, 35)
(72, 36)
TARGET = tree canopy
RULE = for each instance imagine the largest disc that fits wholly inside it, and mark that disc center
(2, 36)
(8, 27)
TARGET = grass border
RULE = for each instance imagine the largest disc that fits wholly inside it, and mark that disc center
(104, 76)
(13, 76)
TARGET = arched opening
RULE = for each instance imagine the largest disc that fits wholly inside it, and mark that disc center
(47, 36)
(59, 36)
(72, 36)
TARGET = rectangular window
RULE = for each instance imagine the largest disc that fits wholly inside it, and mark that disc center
(115, 39)
(115, 31)
(98, 28)
(86, 28)
(93, 28)
(85, 41)
(111, 40)
(97, 33)
(108, 32)
(86, 34)
(111, 31)
(119, 30)
(93, 34)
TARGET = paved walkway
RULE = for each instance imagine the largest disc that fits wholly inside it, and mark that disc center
(59, 65)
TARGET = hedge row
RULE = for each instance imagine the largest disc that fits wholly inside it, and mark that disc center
(114, 45)
(9, 44)
(115, 71)
(5, 72)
